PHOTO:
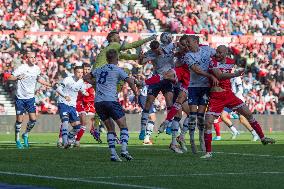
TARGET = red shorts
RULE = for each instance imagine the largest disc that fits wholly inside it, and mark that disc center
(89, 107)
(80, 107)
(219, 100)
(85, 107)
(183, 76)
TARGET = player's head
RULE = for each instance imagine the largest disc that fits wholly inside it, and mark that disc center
(193, 42)
(31, 57)
(86, 68)
(183, 43)
(113, 36)
(155, 47)
(221, 53)
(78, 72)
(112, 56)
(166, 38)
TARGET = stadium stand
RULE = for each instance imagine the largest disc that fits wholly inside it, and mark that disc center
(59, 51)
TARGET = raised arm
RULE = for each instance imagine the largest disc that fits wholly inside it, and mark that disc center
(137, 43)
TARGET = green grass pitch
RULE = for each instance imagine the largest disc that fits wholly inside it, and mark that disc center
(238, 163)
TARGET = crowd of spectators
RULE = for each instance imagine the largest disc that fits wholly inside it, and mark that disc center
(222, 17)
(73, 15)
(56, 55)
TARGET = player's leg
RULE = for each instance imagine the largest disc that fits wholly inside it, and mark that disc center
(202, 105)
(19, 106)
(64, 116)
(169, 95)
(225, 116)
(117, 114)
(244, 110)
(76, 126)
(175, 126)
(209, 120)
(245, 123)
(201, 125)
(95, 128)
(215, 107)
(146, 111)
(150, 128)
(217, 128)
(31, 109)
(83, 121)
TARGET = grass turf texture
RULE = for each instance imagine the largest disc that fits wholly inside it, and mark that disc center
(237, 164)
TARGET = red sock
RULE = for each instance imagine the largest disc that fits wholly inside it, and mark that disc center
(80, 133)
(217, 129)
(255, 125)
(153, 80)
(60, 132)
(174, 110)
(208, 141)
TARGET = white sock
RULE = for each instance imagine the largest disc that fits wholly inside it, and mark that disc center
(175, 127)
(144, 120)
(124, 137)
(64, 131)
(185, 127)
(111, 143)
(17, 130)
(233, 129)
(149, 129)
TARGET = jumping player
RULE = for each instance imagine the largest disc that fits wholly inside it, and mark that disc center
(222, 96)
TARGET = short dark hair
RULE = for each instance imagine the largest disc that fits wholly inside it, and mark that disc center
(110, 35)
(182, 38)
(111, 55)
(78, 67)
(154, 45)
(86, 65)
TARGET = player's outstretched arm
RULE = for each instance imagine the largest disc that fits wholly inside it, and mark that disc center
(126, 56)
(199, 71)
(137, 43)
(217, 72)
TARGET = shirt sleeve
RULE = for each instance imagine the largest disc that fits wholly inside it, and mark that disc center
(18, 71)
(83, 88)
(122, 74)
(189, 60)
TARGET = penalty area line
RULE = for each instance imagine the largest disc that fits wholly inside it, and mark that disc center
(78, 180)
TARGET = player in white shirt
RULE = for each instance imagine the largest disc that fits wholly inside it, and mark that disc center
(26, 75)
(68, 92)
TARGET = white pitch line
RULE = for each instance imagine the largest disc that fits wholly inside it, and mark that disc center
(78, 180)
(189, 175)
(228, 153)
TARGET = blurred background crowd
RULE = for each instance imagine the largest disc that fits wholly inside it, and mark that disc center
(56, 54)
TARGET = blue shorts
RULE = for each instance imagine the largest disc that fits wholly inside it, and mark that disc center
(68, 112)
(198, 96)
(165, 86)
(25, 105)
(142, 102)
(109, 109)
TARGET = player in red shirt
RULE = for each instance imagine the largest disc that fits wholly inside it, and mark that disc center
(222, 96)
